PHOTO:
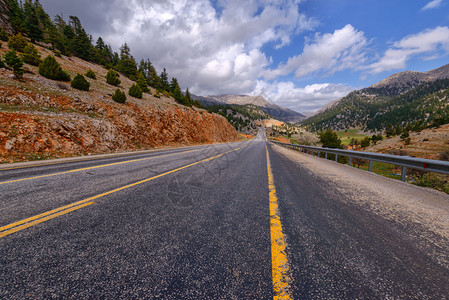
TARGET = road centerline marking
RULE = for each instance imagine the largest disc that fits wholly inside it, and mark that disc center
(37, 219)
(95, 167)
(279, 262)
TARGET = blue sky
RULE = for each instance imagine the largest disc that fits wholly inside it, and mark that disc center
(301, 54)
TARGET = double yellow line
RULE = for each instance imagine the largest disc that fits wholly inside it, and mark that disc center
(37, 219)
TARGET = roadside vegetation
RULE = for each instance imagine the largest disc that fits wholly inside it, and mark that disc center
(31, 24)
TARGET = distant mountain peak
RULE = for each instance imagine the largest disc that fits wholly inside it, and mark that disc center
(276, 111)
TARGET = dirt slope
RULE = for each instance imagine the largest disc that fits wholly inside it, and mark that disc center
(41, 118)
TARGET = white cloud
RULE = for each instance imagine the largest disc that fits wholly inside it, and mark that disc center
(209, 49)
(432, 4)
(307, 99)
(430, 42)
(343, 49)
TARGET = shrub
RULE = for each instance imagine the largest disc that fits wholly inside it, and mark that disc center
(80, 83)
(444, 155)
(51, 69)
(112, 78)
(432, 181)
(119, 96)
(31, 55)
(3, 35)
(15, 63)
(17, 42)
(2, 64)
(91, 74)
(135, 91)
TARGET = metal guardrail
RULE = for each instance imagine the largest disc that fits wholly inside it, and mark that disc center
(403, 161)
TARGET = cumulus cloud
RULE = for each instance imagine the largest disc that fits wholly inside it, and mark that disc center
(343, 49)
(432, 4)
(307, 99)
(209, 49)
(430, 42)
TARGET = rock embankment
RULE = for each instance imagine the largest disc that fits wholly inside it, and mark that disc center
(38, 125)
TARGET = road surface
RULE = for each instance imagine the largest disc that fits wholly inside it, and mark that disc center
(242, 220)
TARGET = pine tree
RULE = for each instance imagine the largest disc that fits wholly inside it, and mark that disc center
(16, 16)
(135, 91)
(17, 42)
(3, 35)
(51, 69)
(80, 83)
(127, 65)
(188, 98)
(119, 96)
(164, 81)
(112, 78)
(90, 74)
(142, 83)
(12, 60)
(81, 44)
(33, 26)
(176, 91)
(330, 139)
(31, 55)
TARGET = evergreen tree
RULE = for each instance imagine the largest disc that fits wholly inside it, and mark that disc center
(142, 83)
(3, 35)
(16, 16)
(31, 55)
(12, 60)
(135, 91)
(164, 81)
(127, 65)
(51, 69)
(389, 131)
(176, 91)
(119, 96)
(153, 79)
(32, 24)
(112, 78)
(330, 139)
(90, 74)
(366, 141)
(17, 42)
(188, 98)
(80, 83)
(56, 37)
(81, 44)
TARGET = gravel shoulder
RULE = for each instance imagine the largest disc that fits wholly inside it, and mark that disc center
(423, 213)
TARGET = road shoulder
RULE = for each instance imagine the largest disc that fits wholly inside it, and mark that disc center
(424, 211)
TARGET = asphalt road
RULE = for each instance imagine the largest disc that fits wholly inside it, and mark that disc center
(199, 223)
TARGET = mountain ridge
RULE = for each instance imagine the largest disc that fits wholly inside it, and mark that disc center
(360, 106)
(274, 110)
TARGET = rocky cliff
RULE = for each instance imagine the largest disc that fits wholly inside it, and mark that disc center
(41, 118)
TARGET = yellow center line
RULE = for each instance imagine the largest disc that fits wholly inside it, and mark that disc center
(95, 167)
(26, 223)
(279, 262)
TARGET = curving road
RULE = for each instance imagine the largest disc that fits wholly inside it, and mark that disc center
(245, 220)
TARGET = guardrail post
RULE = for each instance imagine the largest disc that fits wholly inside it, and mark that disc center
(403, 173)
(325, 155)
(349, 160)
(370, 166)
(336, 157)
